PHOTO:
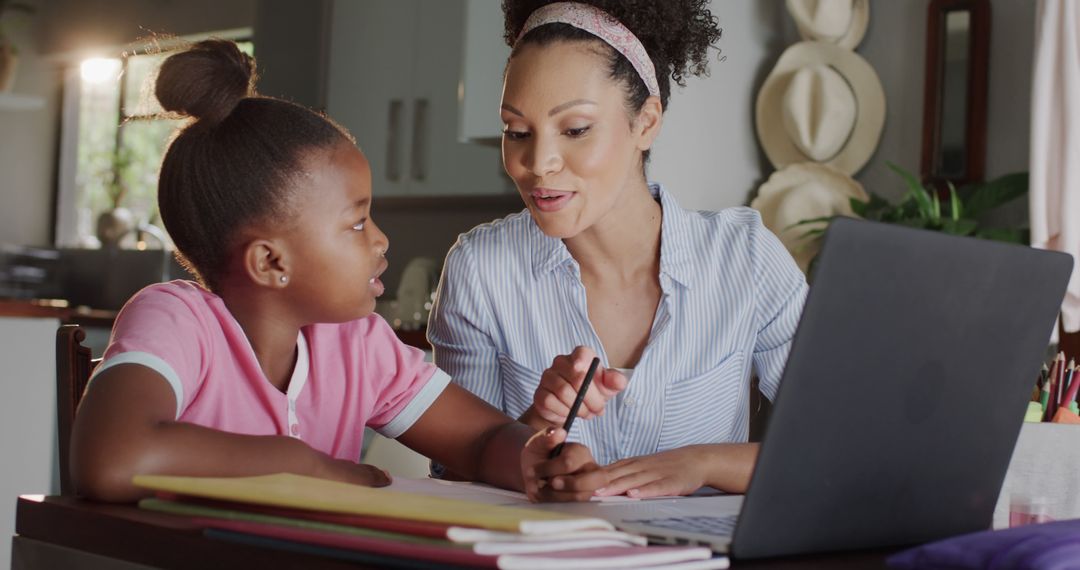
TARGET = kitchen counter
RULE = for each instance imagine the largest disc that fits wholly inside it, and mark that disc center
(87, 317)
(58, 309)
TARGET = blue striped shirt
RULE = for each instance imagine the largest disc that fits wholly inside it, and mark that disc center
(511, 299)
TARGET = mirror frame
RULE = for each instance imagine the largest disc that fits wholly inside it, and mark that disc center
(975, 119)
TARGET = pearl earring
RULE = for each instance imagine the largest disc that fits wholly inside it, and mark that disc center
(283, 279)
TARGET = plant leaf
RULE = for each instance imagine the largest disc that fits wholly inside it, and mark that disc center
(924, 208)
(812, 234)
(858, 207)
(1010, 235)
(995, 193)
(955, 206)
(914, 222)
(810, 221)
(909, 178)
(961, 227)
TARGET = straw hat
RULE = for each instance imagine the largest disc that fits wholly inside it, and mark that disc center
(820, 103)
(804, 191)
(840, 22)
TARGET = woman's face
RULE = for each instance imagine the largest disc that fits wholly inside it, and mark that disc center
(568, 142)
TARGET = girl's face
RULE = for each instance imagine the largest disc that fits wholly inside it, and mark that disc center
(568, 141)
(337, 251)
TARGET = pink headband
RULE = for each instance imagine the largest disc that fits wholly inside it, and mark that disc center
(602, 25)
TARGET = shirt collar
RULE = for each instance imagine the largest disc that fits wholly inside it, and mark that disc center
(675, 249)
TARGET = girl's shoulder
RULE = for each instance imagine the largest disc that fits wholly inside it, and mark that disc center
(369, 329)
(172, 295)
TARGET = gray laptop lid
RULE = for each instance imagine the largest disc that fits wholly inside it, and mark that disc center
(904, 390)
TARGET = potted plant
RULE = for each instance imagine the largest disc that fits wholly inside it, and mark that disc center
(116, 222)
(8, 52)
(960, 213)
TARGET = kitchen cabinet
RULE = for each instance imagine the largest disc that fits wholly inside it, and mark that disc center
(27, 415)
(394, 81)
(482, 73)
(291, 44)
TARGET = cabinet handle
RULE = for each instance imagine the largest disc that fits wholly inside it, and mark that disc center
(418, 165)
(393, 141)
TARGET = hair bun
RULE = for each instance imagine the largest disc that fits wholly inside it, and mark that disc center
(206, 81)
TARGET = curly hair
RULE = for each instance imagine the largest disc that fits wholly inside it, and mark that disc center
(677, 35)
(234, 162)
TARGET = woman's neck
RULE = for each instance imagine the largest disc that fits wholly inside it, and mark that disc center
(625, 243)
(269, 329)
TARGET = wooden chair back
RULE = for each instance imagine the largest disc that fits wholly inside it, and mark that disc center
(73, 367)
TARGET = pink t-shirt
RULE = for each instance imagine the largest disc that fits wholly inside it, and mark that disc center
(347, 375)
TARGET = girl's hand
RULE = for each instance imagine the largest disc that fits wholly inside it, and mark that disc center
(354, 473)
(572, 476)
(675, 472)
(559, 385)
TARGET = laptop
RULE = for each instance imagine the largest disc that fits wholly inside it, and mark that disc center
(900, 403)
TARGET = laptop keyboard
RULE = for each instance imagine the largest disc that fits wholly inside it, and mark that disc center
(717, 526)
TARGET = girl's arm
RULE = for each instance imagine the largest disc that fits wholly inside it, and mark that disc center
(478, 442)
(724, 466)
(125, 426)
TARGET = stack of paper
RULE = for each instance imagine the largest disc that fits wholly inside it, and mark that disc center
(381, 526)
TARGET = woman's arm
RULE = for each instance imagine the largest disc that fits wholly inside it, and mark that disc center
(125, 427)
(477, 442)
(724, 466)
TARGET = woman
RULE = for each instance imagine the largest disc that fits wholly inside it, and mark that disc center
(680, 306)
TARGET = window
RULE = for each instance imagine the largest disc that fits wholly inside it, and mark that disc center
(113, 141)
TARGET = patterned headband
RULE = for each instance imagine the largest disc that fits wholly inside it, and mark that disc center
(602, 25)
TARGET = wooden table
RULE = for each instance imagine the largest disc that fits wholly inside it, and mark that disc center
(64, 532)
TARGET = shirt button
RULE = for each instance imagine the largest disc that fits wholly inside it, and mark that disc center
(295, 429)
(629, 402)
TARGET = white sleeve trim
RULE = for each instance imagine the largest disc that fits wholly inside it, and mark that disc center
(416, 408)
(153, 363)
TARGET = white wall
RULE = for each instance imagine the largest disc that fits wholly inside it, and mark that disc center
(708, 153)
(28, 143)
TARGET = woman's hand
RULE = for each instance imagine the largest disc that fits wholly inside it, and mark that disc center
(559, 385)
(675, 472)
(572, 476)
(725, 466)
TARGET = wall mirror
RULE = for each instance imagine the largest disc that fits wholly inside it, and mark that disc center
(954, 99)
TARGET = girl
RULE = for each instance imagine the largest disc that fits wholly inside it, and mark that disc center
(275, 362)
(679, 305)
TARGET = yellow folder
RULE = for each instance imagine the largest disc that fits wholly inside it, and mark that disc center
(302, 492)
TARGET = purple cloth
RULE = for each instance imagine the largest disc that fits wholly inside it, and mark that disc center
(1047, 546)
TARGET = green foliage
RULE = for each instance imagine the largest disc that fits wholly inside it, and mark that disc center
(921, 207)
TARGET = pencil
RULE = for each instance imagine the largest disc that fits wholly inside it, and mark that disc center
(577, 405)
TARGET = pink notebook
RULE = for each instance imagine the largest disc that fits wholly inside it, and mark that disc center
(447, 555)
(610, 557)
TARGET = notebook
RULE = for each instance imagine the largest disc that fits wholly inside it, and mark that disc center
(603, 557)
(300, 492)
(901, 400)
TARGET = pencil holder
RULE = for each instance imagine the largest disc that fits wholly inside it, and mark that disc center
(1042, 481)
